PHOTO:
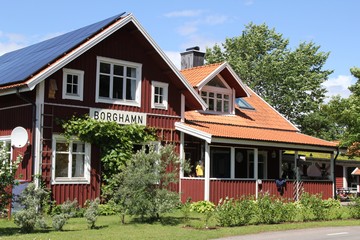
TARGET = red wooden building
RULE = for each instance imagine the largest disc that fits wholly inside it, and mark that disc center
(113, 70)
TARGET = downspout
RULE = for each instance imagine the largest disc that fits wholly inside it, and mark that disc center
(333, 172)
(24, 98)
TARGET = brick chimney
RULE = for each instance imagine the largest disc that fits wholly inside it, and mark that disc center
(192, 57)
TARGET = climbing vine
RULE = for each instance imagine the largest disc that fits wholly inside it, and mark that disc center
(114, 140)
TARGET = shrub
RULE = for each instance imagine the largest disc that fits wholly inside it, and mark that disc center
(92, 212)
(204, 207)
(67, 210)
(313, 207)
(269, 210)
(354, 208)
(185, 209)
(59, 221)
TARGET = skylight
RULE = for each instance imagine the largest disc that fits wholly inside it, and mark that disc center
(242, 103)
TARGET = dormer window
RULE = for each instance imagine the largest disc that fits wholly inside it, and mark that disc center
(217, 94)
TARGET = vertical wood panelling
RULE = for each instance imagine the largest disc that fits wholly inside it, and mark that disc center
(192, 188)
(319, 187)
(220, 189)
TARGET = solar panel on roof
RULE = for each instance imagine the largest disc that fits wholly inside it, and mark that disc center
(18, 65)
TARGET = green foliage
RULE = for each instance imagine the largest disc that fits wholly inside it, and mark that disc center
(92, 212)
(230, 212)
(269, 210)
(114, 140)
(354, 208)
(289, 80)
(33, 199)
(205, 207)
(313, 207)
(7, 176)
(144, 187)
(108, 208)
(67, 210)
(185, 210)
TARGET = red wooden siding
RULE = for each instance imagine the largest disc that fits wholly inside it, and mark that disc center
(192, 188)
(323, 187)
(339, 176)
(20, 116)
(230, 188)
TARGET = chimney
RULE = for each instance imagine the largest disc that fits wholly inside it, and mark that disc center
(192, 57)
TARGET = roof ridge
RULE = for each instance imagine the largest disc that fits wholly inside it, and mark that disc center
(203, 66)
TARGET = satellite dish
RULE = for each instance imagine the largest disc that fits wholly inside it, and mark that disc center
(19, 137)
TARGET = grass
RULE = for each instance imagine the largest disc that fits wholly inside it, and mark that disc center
(170, 227)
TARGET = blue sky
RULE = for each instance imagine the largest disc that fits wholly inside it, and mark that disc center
(176, 25)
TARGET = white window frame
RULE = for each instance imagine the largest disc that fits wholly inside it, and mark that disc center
(87, 163)
(80, 75)
(215, 91)
(7, 139)
(164, 86)
(264, 163)
(110, 100)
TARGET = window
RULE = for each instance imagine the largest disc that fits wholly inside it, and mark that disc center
(118, 82)
(218, 95)
(262, 164)
(159, 95)
(71, 161)
(242, 103)
(220, 162)
(217, 102)
(6, 142)
(73, 82)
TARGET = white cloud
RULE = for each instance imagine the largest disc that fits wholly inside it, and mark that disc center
(187, 29)
(215, 19)
(339, 85)
(175, 58)
(249, 2)
(184, 13)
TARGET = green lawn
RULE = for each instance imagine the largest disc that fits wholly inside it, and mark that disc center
(172, 227)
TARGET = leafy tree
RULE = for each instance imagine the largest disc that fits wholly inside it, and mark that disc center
(144, 187)
(7, 177)
(289, 80)
(114, 140)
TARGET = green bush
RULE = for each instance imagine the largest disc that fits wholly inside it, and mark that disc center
(205, 207)
(313, 207)
(108, 208)
(92, 212)
(33, 199)
(269, 210)
(354, 208)
(59, 221)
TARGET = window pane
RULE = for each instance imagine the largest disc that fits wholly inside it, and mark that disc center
(226, 96)
(61, 147)
(118, 70)
(118, 88)
(75, 89)
(219, 105)
(226, 106)
(204, 94)
(211, 94)
(105, 68)
(130, 89)
(131, 72)
(211, 104)
(220, 162)
(61, 165)
(104, 87)
(219, 95)
(78, 165)
(78, 147)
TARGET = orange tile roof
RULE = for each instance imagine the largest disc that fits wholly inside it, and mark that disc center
(356, 172)
(264, 116)
(259, 134)
(197, 74)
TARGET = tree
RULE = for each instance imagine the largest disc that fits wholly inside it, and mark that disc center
(144, 187)
(7, 177)
(288, 80)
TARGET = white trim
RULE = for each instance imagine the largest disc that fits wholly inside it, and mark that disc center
(182, 114)
(39, 102)
(207, 173)
(138, 66)
(273, 144)
(80, 75)
(165, 87)
(256, 167)
(70, 180)
(193, 132)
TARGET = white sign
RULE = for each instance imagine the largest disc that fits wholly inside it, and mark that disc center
(121, 117)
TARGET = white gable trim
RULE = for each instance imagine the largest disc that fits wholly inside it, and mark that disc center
(193, 132)
(217, 71)
(32, 82)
